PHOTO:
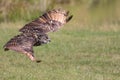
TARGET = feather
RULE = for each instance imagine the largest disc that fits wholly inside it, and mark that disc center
(35, 32)
(48, 21)
(24, 43)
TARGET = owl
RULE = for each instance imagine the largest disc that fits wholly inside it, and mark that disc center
(36, 32)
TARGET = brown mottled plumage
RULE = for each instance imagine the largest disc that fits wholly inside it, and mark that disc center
(35, 32)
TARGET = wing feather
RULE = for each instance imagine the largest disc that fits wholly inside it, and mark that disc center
(22, 43)
(48, 22)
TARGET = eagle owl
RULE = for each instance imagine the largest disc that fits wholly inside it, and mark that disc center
(35, 32)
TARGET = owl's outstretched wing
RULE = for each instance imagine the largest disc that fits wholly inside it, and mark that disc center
(49, 22)
(22, 43)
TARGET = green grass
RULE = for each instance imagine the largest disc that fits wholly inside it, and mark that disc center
(75, 53)
(87, 48)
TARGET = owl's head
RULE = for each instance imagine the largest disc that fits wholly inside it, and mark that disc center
(44, 39)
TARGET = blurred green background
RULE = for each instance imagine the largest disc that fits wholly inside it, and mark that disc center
(95, 11)
(86, 48)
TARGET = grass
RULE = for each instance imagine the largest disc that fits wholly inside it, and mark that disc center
(74, 54)
(87, 48)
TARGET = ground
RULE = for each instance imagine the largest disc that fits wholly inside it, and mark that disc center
(74, 53)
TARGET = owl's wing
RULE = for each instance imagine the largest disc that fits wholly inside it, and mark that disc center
(49, 22)
(22, 43)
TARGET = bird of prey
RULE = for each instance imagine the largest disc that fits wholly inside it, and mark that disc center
(35, 32)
